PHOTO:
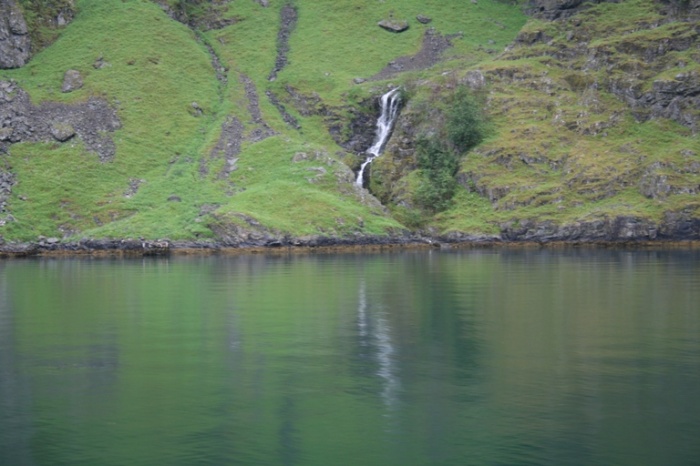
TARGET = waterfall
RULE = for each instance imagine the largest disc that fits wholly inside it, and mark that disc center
(385, 123)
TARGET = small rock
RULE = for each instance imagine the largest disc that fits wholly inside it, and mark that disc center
(423, 19)
(5, 134)
(475, 2)
(100, 63)
(393, 25)
(174, 198)
(52, 240)
(475, 79)
(359, 80)
(300, 157)
(196, 109)
(72, 81)
(62, 131)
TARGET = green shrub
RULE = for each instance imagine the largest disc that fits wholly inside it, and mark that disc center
(438, 167)
(465, 122)
(439, 158)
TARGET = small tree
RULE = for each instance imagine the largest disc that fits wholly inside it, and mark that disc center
(465, 122)
(438, 158)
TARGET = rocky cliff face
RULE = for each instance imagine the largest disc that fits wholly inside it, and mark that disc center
(563, 95)
(21, 121)
(14, 36)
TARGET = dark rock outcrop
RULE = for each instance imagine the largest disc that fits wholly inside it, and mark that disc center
(7, 180)
(434, 44)
(202, 16)
(14, 36)
(228, 147)
(628, 66)
(288, 21)
(260, 129)
(675, 226)
(555, 9)
(286, 116)
(677, 99)
(22, 121)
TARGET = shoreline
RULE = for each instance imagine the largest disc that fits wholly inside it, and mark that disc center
(138, 248)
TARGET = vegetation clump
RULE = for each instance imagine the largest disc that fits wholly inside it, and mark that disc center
(439, 157)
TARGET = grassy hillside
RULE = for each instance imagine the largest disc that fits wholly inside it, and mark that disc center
(203, 151)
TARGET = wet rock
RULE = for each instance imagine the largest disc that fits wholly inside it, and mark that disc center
(72, 81)
(62, 131)
(393, 25)
(14, 36)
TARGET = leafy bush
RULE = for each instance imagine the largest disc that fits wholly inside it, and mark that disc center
(439, 158)
(465, 122)
(438, 167)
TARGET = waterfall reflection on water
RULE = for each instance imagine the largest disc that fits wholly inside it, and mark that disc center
(376, 334)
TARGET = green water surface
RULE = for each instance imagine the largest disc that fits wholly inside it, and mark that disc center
(482, 357)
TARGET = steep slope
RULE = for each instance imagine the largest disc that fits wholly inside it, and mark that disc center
(594, 130)
(240, 123)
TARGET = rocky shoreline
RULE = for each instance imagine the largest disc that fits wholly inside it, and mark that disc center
(626, 233)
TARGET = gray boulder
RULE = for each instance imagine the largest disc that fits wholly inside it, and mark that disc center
(393, 25)
(72, 81)
(14, 36)
(62, 131)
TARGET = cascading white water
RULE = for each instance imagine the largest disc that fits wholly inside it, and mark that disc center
(385, 123)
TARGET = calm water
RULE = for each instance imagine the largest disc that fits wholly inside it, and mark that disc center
(415, 358)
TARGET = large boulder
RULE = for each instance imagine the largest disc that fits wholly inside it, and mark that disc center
(393, 25)
(72, 81)
(14, 36)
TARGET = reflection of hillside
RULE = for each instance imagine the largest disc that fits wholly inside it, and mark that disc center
(15, 394)
(445, 357)
(596, 340)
